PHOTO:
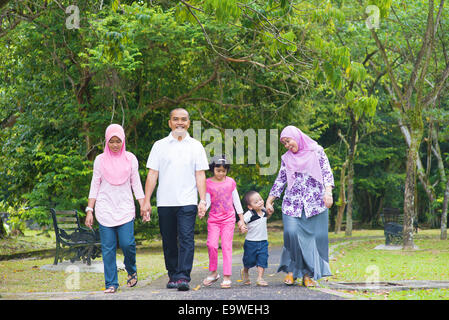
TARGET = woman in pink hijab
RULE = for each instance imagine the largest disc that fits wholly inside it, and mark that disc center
(115, 173)
(306, 172)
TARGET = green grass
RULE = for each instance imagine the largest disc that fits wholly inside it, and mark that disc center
(430, 294)
(31, 241)
(355, 234)
(24, 275)
(429, 262)
(357, 261)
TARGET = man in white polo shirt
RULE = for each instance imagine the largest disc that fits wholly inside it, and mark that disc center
(178, 163)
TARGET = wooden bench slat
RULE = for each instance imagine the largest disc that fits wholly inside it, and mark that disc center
(67, 226)
(66, 213)
(66, 219)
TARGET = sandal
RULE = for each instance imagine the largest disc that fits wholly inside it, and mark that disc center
(111, 289)
(210, 279)
(288, 280)
(308, 282)
(245, 277)
(226, 284)
(262, 283)
(130, 279)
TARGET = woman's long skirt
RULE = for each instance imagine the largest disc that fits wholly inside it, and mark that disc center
(306, 246)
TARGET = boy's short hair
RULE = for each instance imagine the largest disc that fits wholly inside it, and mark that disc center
(248, 195)
(219, 161)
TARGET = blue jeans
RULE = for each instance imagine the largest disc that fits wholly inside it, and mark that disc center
(125, 236)
(255, 254)
(177, 225)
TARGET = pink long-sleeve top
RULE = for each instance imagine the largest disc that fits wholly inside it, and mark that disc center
(223, 199)
(114, 204)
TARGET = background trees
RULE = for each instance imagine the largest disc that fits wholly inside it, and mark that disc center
(373, 97)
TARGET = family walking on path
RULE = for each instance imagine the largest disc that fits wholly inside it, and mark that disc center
(177, 164)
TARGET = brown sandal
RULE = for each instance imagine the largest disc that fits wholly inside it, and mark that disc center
(308, 282)
(288, 280)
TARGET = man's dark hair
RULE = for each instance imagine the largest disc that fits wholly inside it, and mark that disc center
(179, 109)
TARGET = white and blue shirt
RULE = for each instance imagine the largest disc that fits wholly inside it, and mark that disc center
(257, 225)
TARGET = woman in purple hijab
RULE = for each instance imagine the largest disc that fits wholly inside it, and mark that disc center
(306, 172)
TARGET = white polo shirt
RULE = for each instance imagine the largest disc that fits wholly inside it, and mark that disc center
(177, 161)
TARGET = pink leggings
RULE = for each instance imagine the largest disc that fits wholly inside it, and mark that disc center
(224, 230)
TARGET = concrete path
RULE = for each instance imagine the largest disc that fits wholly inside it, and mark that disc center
(154, 288)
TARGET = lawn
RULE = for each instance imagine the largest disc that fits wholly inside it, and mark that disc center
(357, 261)
(25, 275)
(31, 241)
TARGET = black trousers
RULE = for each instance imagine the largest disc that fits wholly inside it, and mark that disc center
(177, 226)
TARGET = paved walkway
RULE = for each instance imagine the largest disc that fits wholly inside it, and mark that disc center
(156, 290)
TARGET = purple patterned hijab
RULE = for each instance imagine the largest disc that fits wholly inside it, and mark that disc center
(305, 160)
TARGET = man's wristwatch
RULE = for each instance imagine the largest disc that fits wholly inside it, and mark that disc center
(203, 202)
(89, 209)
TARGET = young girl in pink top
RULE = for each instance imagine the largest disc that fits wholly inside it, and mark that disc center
(115, 173)
(222, 197)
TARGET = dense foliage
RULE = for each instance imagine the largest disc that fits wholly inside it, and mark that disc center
(233, 65)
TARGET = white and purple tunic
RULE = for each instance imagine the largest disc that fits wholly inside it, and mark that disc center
(306, 193)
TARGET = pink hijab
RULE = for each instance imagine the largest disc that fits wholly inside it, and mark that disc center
(305, 160)
(115, 166)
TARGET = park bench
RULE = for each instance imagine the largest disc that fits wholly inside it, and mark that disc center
(393, 221)
(72, 240)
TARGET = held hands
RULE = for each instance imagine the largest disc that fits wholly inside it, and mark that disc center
(242, 226)
(269, 208)
(201, 210)
(145, 211)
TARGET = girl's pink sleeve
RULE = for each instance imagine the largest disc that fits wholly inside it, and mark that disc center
(96, 180)
(136, 184)
(234, 184)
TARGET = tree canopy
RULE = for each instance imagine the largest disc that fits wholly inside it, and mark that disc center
(358, 76)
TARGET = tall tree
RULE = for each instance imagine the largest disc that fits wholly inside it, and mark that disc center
(410, 91)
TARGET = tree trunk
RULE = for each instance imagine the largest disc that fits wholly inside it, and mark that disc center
(437, 152)
(379, 211)
(342, 198)
(421, 176)
(351, 156)
(88, 144)
(367, 217)
(348, 230)
(2, 229)
(410, 185)
(443, 235)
